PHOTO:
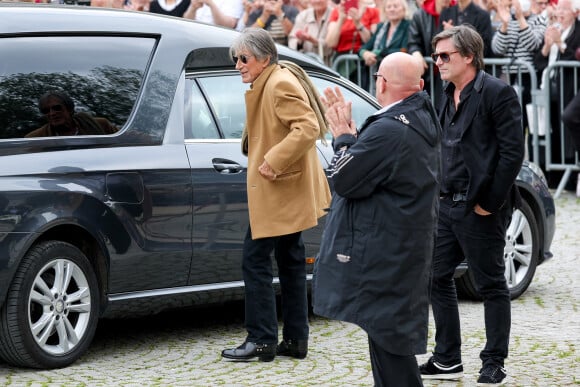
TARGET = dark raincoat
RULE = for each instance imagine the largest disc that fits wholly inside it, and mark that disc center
(375, 257)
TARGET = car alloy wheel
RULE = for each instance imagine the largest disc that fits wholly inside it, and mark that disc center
(50, 316)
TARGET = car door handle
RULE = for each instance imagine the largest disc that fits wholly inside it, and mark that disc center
(226, 166)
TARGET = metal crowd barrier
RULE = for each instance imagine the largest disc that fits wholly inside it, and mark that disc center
(540, 102)
(352, 61)
(562, 165)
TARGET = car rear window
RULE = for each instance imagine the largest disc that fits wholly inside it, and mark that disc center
(102, 75)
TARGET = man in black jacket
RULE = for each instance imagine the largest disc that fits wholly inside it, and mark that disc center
(482, 150)
(467, 12)
(375, 256)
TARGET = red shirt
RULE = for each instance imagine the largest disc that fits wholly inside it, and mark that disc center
(349, 36)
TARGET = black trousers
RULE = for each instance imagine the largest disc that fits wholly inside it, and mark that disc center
(390, 370)
(260, 305)
(481, 239)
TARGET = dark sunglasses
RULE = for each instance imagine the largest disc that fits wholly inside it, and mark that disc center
(243, 58)
(445, 56)
(376, 75)
(54, 108)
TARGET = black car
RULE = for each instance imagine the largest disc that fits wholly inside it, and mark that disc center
(151, 216)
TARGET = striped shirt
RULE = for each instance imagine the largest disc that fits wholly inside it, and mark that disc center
(520, 44)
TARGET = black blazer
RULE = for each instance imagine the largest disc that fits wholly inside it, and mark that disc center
(492, 142)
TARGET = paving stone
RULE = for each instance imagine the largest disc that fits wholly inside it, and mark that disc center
(544, 344)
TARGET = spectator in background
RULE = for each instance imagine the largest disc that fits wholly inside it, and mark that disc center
(219, 12)
(275, 17)
(561, 41)
(423, 27)
(249, 6)
(520, 36)
(571, 118)
(349, 29)
(169, 7)
(543, 8)
(391, 36)
(138, 5)
(467, 12)
(300, 5)
(101, 3)
(309, 32)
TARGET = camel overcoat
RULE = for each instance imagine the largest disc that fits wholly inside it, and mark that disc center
(282, 129)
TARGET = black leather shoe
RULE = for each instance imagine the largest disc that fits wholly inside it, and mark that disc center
(293, 348)
(251, 351)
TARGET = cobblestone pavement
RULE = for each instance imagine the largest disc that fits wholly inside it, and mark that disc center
(183, 348)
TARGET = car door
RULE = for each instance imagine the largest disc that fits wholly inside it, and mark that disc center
(215, 116)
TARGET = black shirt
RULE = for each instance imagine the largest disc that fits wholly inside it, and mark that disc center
(454, 171)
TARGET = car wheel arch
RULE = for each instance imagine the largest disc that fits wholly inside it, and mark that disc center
(27, 336)
(530, 197)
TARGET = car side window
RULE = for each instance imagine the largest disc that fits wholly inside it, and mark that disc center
(98, 77)
(225, 94)
(199, 123)
(226, 97)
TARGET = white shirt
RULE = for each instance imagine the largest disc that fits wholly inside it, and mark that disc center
(232, 8)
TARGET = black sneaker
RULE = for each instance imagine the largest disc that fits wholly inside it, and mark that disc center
(491, 375)
(434, 370)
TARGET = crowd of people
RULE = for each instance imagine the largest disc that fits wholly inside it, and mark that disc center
(537, 32)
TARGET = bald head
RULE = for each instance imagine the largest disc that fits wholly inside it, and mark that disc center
(403, 73)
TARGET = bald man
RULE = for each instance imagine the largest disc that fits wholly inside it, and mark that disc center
(375, 255)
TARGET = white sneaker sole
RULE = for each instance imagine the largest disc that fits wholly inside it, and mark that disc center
(502, 383)
(455, 376)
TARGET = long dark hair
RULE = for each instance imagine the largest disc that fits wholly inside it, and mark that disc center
(467, 41)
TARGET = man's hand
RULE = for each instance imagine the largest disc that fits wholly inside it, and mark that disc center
(480, 211)
(267, 171)
(338, 113)
(370, 58)
(272, 7)
(196, 4)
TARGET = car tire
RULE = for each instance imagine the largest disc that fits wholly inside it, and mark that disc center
(51, 311)
(521, 255)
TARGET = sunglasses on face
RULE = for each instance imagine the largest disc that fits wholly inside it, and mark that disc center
(445, 56)
(53, 108)
(243, 58)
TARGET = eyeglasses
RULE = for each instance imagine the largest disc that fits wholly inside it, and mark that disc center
(445, 56)
(376, 75)
(243, 58)
(53, 108)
